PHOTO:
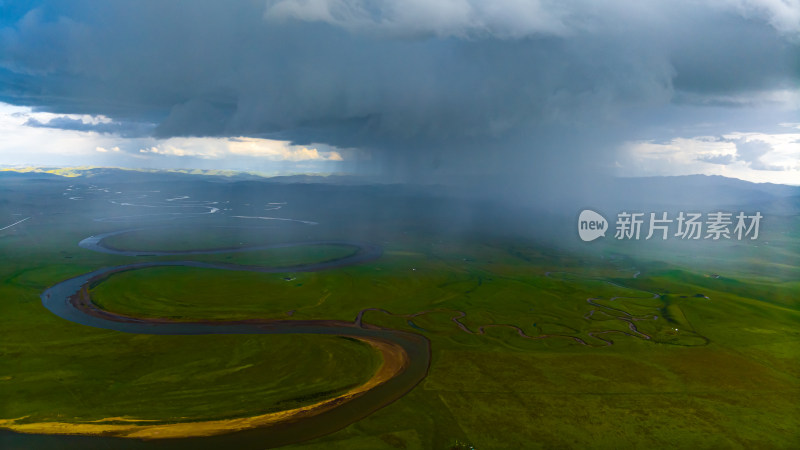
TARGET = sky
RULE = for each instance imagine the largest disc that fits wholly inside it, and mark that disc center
(517, 93)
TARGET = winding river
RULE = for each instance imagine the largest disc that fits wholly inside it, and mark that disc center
(406, 359)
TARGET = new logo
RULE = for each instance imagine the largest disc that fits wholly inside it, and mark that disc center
(591, 225)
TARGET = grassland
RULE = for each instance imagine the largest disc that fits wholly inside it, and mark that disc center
(182, 238)
(93, 378)
(720, 369)
(736, 387)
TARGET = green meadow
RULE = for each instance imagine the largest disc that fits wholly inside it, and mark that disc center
(54, 370)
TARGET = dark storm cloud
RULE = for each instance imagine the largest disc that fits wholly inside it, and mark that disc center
(124, 129)
(429, 86)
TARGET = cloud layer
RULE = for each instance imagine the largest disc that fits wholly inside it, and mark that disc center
(433, 89)
(36, 138)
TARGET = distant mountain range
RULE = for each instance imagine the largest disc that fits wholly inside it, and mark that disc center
(610, 194)
(103, 174)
